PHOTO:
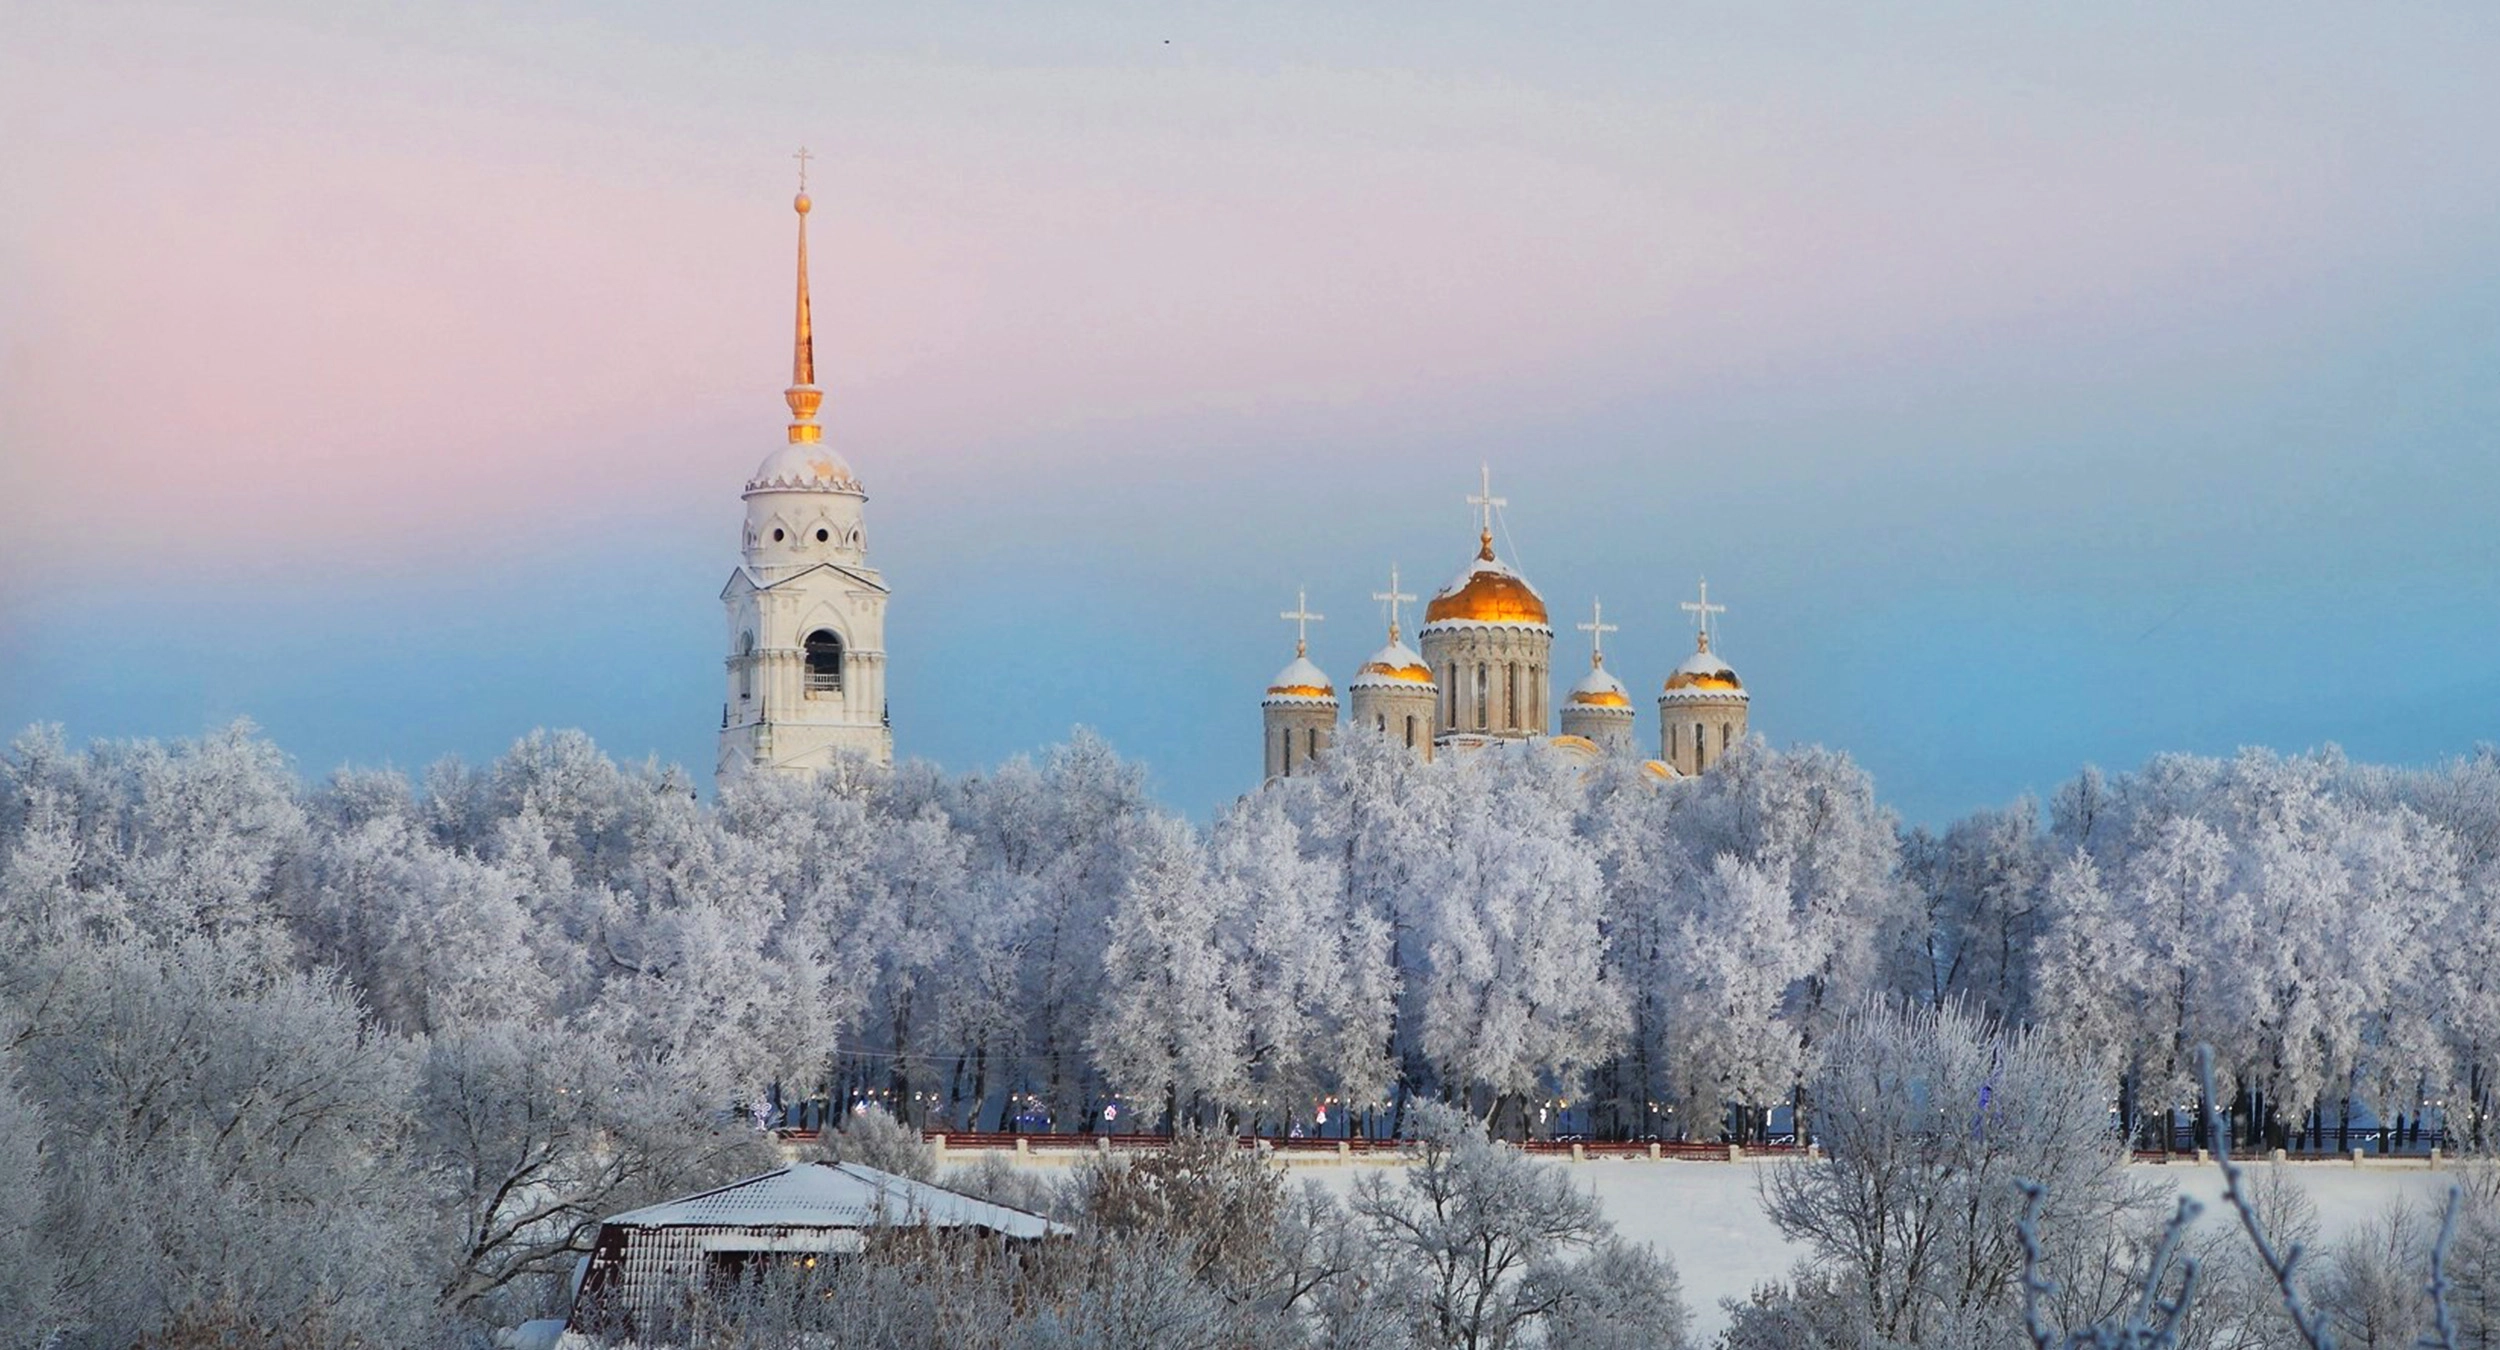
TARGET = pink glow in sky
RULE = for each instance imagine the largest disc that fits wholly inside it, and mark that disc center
(290, 284)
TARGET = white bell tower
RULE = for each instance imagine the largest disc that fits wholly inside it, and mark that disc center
(806, 612)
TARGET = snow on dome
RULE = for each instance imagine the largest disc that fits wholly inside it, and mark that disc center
(1301, 682)
(1487, 592)
(1704, 675)
(1659, 768)
(804, 466)
(1395, 666)
(1579, 748)
(1600, 689)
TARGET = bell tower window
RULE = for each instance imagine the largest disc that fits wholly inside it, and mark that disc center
(746, 666)
(824, 662)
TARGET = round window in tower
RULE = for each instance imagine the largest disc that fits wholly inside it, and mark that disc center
(821, 536)
(777, 534)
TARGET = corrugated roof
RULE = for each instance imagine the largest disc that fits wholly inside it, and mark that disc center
(836, 1195)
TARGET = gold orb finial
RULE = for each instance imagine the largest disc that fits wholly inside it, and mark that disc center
(800, 203)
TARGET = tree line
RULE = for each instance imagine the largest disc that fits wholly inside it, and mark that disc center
(443, 1022)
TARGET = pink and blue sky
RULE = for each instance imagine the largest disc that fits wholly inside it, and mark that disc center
(2037, 384)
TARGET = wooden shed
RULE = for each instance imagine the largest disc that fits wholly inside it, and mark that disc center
(647, 1266)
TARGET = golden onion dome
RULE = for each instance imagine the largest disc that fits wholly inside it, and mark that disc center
(1703, 674)
(1395, 666)
(1599, 689)
(1487, 592)
(1300, 682)
(1659, 768)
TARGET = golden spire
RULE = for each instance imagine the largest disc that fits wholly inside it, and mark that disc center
(803, 396)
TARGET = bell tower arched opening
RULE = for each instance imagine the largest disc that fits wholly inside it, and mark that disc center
(824, 662)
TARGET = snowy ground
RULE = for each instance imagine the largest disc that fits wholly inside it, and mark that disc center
(1708, 1216)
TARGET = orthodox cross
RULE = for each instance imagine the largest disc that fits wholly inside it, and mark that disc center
(802, 157)
(1302, 618)
(1597, 628)
(1392, 597)
(1702, 611)
(1487, 500)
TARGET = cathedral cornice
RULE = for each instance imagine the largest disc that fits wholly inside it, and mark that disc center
(748, 576)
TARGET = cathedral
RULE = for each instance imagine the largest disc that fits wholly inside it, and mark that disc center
(1484, 675)
(806, 612)
(806, 640)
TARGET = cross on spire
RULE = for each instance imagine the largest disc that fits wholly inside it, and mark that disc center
(1597, 628)
(802, 157)
(1485, 498)
(1701, 612)
(1302, 618)
(1392, 597)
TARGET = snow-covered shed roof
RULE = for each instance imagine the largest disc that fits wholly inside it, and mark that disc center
(836, 1195)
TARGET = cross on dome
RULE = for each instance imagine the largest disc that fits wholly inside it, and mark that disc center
(1302, 618)
(1701, 612)
(1392, 597)
(1597, 628)
(1484, 498)
(802, 157)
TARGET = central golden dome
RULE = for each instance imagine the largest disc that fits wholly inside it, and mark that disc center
(1487, 593)
(1703, 672)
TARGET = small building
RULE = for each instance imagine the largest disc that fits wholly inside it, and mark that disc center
(648, 1265)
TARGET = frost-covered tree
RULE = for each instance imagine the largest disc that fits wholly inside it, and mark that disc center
(1496, 1248)
(874, 1138)
(527, 1135)
(1066, 842)
(1929, 1117)
(1982, 884)
(34, 1311)
(2092, 1000)
(1172, 1032)
(1515, 994)
(1739, 958)
(1316, 981)
(220, 1149)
